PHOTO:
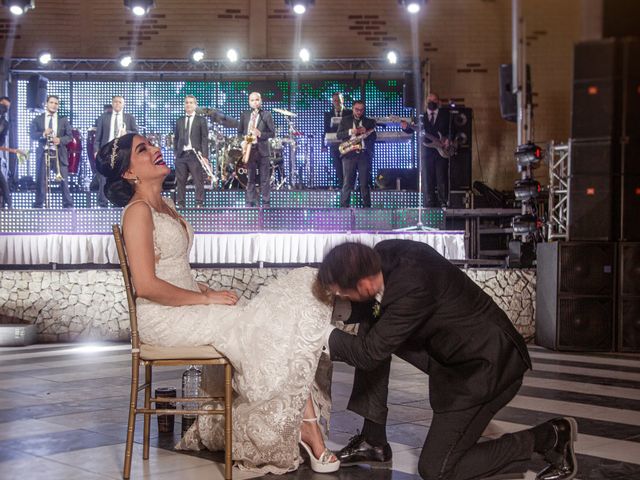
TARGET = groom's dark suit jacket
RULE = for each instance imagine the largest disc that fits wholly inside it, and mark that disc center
(429, 304)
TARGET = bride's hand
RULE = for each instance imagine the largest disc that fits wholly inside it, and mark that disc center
(221, 297)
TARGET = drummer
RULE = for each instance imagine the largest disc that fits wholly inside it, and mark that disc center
(111, 125)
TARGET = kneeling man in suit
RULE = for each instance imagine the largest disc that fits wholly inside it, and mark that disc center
(412, 302)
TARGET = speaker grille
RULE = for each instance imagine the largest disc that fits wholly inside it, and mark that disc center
(630, 324)
(630, 268)
(585, 323)
(586, 269)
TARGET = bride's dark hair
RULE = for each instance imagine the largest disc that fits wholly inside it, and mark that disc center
(112, 161)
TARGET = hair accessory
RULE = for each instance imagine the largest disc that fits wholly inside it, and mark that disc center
(114, 153)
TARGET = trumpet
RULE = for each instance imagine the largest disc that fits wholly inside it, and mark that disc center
(206, 167)
(53, 148)
(246, 147)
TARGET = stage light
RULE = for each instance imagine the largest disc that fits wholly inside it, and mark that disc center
(197, 55)
(305, 56)
(392, 57)
(527, 189)
(44, 57)
(528, 155)
(412, 6)
(299, 7)
(126, 60)
(139, 7)
(525, 224)
(232, 55)
(19, 7)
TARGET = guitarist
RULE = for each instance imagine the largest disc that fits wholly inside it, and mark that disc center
(361, 157)
(435, 173)
(5, 192)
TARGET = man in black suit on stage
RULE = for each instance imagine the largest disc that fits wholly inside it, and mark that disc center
(436, 122)
(258, 123)
(53, 133)
(190, 135)
(109, 125)
(412, 302)
(5, 190)
(338, 110)
(359, 158)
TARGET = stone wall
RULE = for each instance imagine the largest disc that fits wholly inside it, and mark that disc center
(69, 305)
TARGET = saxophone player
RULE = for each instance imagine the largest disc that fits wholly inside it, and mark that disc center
(53, 133)
(360, 156)
(191, 135)
(257, 125)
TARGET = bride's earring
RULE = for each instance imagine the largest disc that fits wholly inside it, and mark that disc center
(136, 180)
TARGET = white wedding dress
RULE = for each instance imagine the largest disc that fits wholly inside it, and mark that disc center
(274, 343)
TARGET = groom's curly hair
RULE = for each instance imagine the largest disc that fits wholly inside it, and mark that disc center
(344, 266)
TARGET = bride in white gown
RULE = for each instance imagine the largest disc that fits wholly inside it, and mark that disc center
(274, 342)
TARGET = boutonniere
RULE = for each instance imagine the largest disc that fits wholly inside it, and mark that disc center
(376, 310)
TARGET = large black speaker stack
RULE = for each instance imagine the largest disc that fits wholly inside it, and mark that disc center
(604, 183)
(588, 289)
(460, 164)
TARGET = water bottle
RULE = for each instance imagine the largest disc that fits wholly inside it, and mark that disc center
(191, 381)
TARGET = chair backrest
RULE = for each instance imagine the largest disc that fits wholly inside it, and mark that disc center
(131, 296)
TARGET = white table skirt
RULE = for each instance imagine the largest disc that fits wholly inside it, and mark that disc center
(222, 248)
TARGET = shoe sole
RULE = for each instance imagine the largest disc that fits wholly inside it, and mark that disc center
(374, 465)
(574, 437)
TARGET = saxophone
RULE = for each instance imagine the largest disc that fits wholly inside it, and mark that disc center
(354, 143)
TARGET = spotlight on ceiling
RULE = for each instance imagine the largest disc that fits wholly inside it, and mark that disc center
(126, 60)
(392, 57)
(232, 55)
(44, 57)
(19, 7)
(299, 6)
(139, 7)
(197, 55)
(305, 56)
(412, 6)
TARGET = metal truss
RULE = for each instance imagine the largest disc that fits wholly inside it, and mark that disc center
(213, 68)
(559, 158)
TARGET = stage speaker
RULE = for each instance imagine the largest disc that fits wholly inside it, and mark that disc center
(628, 297)
(460, 170)
(37, 92)
(575, 296)
(508, 99)
(630, 226)
(397, 179)
(408, 91)
(591, 207)
(460, 165)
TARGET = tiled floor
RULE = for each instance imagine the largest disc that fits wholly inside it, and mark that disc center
(63, 411)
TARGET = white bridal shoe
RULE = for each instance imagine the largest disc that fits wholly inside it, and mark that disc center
(324, 463)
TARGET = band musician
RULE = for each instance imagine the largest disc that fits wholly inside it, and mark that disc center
(338, 110)
(5, 191)
(53, 133)
(257, 125)
(435, 174)
(191, 135)
(110, 125)
(354, 128)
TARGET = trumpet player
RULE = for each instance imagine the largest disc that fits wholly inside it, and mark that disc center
(353, 128)
(111, 124)
(53, 133)
(257, 127)
(191, 139)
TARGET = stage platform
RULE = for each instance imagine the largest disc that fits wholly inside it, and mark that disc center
(284, 234)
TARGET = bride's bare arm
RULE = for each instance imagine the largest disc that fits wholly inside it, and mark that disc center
(138, 237)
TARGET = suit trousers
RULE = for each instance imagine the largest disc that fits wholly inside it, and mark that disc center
(336, 160)
(5, 191)
(435, 174)
(102, 198)
(186, 163)
(256, 163)
(42, 176)
(350, 163)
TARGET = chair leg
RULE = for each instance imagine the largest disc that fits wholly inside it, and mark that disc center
(147, 416)
(228, 426)
(131, 426)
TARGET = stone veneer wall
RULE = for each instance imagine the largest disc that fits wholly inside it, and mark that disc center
(69, 305)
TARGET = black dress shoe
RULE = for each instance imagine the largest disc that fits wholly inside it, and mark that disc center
(359, 452)
(562, 457)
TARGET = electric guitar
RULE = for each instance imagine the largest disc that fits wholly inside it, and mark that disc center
(445, 149)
